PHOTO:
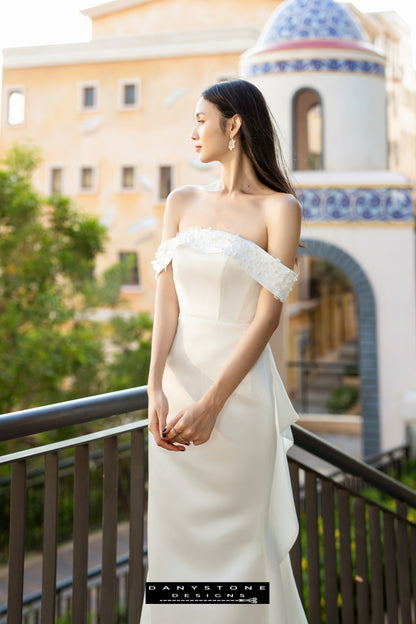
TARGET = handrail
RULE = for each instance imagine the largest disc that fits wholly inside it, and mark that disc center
(313, 444)
(390, 454)
(46, 418)
(38, 451)
(382, 459)
(67, 463)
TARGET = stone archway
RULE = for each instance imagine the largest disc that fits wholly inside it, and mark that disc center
(367, 319)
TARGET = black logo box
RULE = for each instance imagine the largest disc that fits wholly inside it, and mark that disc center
(165, 593)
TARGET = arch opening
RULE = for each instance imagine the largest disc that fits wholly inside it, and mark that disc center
(307, 130)
(367, 336)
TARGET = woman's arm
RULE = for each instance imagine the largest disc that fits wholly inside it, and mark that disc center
(164, 329)
(197, 421)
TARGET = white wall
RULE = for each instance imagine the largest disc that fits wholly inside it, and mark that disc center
(354, 115)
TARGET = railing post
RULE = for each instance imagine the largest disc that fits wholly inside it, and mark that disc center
(390, 570)
(376, 564)
(413, 560)
(296, 552)
(312, 548)
(50, 515)
(137, 493)
(110, 504)
(403, 565)
(344, 521)
(17, 542)
(330, 557)
(81, 516)
(361, 563)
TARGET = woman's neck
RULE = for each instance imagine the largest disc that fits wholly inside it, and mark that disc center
(237, 175)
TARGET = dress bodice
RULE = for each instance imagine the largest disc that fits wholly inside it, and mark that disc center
(218, 274)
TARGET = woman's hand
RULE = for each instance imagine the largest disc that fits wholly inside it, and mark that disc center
(157, 414)
(193, 424)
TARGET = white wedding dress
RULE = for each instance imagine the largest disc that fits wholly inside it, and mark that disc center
(223, 511)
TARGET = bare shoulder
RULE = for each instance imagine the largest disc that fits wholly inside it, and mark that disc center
(282, 207)
(184, 192)
(176, 204)
(283, 216)
(181, 196)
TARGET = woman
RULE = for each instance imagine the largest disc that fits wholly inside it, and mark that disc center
(220, 501)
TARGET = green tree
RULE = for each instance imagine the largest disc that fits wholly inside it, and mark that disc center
(131, 356)
(51, 348)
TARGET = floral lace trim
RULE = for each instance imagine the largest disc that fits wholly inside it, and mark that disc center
(268, 271)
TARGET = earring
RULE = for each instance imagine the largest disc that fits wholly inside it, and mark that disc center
(231, 144)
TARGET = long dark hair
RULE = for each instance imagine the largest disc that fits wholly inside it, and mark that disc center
(258, 134)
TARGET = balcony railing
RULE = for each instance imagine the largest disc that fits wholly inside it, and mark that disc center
(354, 561)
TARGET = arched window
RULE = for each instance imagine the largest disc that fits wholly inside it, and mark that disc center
(15, 102)
(307, 130)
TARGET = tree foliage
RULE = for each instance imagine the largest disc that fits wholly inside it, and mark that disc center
(51, 348)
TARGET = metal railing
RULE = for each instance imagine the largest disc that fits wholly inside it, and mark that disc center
(32, 603)
(391, 462)
(354, 561)
(28, 422)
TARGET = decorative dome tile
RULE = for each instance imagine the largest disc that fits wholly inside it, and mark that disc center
(300, 20)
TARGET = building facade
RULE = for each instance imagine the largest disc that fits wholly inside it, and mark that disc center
(113, 119)
(113, 116)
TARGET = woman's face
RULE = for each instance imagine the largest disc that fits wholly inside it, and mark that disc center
(210, 140)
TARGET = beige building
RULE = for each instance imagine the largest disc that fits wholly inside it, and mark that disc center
(114, 116)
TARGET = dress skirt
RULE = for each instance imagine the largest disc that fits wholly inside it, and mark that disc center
(223, 511)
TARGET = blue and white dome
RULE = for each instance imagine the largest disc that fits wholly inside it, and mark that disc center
(308, 21)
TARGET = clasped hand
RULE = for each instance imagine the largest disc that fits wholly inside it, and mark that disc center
(192, 424)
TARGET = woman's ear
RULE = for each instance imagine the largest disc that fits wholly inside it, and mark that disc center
(235, 124)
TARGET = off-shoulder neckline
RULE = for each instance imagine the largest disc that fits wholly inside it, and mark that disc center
(198, 228)
(268, 271)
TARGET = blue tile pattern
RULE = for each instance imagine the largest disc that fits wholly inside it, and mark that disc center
(311, 19)
(309, 65)
(356, 204)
